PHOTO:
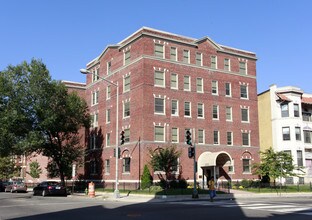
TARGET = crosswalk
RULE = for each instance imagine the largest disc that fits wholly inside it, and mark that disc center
(286, 208)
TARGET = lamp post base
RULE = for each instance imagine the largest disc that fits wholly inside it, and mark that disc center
(195, 194)
(116, 194)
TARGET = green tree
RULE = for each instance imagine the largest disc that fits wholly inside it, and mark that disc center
(8, 168)
(35, 169)
(166, 160)
(40, 115)
(146, 180)
(275, 165)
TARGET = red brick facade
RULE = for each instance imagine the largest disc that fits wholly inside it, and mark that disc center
(142, 67)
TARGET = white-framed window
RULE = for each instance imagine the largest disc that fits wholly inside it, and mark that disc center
(245, 139)
(108, 116)
(246, 165)
(126, 83)
(126, 164)
(228, 89)
(159, 106)
(174, 107)
(95, 98)
(201, 136)
(159, 133)
(126, 109)
(108, 92)
(307, 136)
(159, 50)
(95, 120)
(92, 141)
(296, 110)
(213, 60)
(127, 57)
(216, 137)
(298, 133)
(299, 158)
(187, 109)
(227, 64)
(93, 167)
(107, 166)
(284, 110)
(243, 68)
(200, 110)
(229, 138)
(214, 87)
(187, 83)
(95, 75)
(215, 112)
(186, 56)
(199, 85)
(228, 112)
(159, 78)
(108, 139)
(244, 91)
(173, 54)
(245, 114)
(109, 67)
(174, 81)
(174, 135)
(127, 135)
(199, 59)
(286, 133)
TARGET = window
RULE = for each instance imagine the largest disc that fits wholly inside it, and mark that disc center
(201, 138)
(245, 113)
(296, 110)
(96, 120)
(108, 139)
(127, 56)
(186, 56)
(187, 109)
(95, 97)
(92, 141)
(200, 110)
(108, 116)
(159, 133)
(127, 135)
(227, 64)
(174, 108)
(109, 66)
(107, 166)
(307, 136)
(95, 75)
(108, 92)
(229, 138)
(246, 165)
(299, 158)
(159, 106)
(228, 89)
(174, 135)
(174, 81)
(306, 116)
(286, 133)
(215, 137)
(245, 138)
(126, 165)
(214, 87)
(298, 133)
(215, 112)
(228, 112)
(126, 112)
(199, 85)
(242, 68)
(187, 86)
(159, 50)
(173, 53)
(159, 78)
(199, 59)
(244, 91)
(126, 83)
(93, 167)
(284, 110)
(213, 60)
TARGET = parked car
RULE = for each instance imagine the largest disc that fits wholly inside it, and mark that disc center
(50, 188)
(15, 186)
(3, 185)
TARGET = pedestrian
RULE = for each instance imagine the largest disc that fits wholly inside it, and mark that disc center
(212, 189)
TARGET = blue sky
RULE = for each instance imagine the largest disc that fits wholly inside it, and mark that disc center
(67, 34)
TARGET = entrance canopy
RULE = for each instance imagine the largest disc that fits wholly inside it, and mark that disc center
(220, 158)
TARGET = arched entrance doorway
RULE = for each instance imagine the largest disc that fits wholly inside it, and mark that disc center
(209, 164)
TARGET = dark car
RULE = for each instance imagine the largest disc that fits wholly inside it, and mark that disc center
(50, 188)
(3, 184)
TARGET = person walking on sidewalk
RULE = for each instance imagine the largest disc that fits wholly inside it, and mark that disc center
(212, 189)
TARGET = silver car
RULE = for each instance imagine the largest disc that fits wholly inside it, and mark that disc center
(15, 186)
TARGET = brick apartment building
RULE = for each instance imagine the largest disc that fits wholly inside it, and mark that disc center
(169, 84)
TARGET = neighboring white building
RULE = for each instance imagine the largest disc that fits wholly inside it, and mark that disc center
(285, 124)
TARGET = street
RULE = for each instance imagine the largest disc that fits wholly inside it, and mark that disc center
(26, 206)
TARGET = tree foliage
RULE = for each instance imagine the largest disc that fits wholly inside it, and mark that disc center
(146, 180)
(38, 114)
(7, 168)
(35, 169)
(275, 165)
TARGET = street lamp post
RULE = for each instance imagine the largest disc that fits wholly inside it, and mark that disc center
(84, 71)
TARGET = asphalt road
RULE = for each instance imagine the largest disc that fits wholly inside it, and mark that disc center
(25, 206)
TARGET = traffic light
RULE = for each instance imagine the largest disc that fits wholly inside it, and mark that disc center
(122, 137)
(188, 138)
(191, 152)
